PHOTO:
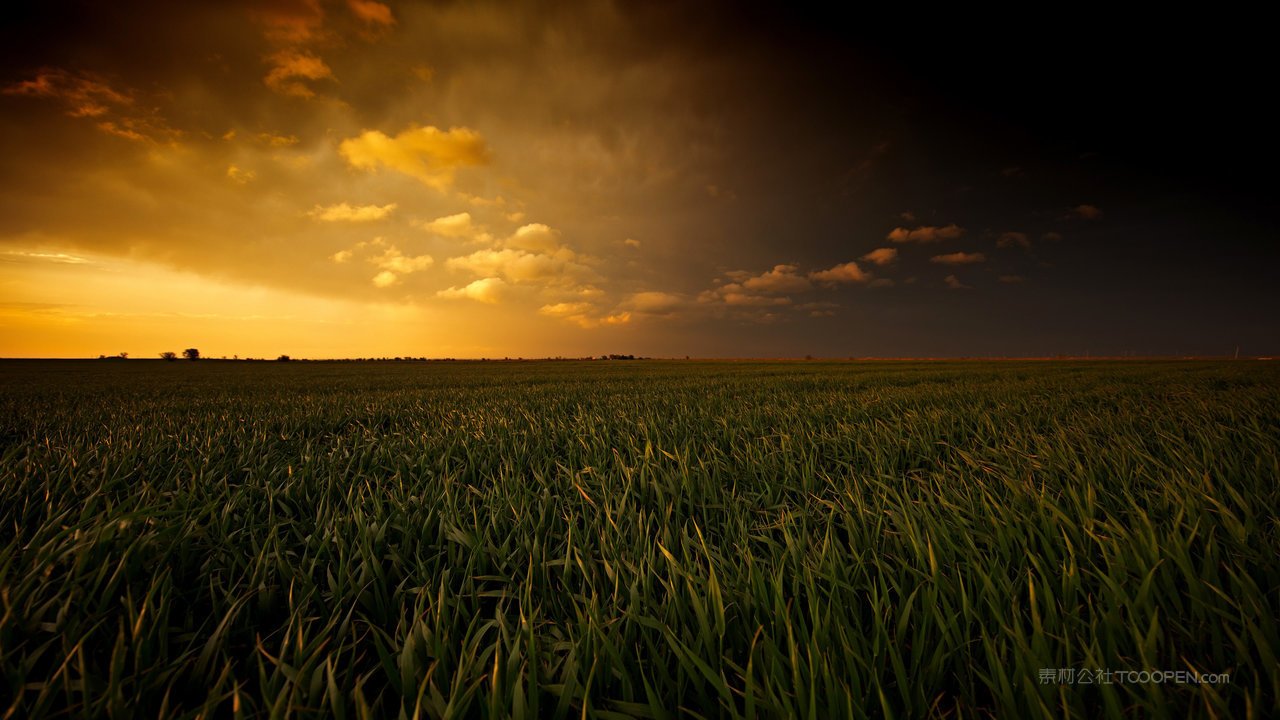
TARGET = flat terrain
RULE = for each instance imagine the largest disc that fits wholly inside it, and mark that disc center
(649, 539)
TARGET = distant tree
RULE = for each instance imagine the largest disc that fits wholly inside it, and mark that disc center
(191, 354)
(169, 355)
(283, 358)
(124, 355)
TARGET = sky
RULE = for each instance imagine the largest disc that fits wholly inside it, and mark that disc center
(353, 178)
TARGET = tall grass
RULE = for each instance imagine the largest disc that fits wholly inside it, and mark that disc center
(658, 540)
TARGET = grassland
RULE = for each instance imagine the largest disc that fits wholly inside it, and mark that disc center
(637, 539)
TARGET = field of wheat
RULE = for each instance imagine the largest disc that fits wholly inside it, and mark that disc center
(639, 539)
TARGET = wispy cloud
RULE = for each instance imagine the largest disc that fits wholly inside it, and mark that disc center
(113, 110)
(46, 257)
(343, 212)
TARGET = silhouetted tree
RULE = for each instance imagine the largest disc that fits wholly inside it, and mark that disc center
(191, 354)
(169, 355)
(283, 358)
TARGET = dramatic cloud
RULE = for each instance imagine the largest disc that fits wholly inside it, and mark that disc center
(372, 12)
(426, 153)
(485, 290)
(1012, 239)
(456, 226)
(843, 273)
(881, 256)
(926, 234)
(289, 68)
(958, 258)
(607, 161)
(954, 283)
(342, 212)
(781, 279)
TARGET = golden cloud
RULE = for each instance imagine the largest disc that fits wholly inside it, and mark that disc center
(459, 225)
(583, 314)
(654, 302)
(781, 279)
(240, 176)
(395, 261)
(426, 153)
(535, 237)
(843, 273)
(486, 290)
(520, 266)
(342, 212)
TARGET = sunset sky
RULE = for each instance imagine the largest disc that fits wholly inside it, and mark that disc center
(353, 178)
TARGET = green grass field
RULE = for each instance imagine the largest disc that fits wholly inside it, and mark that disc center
(638, 539)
